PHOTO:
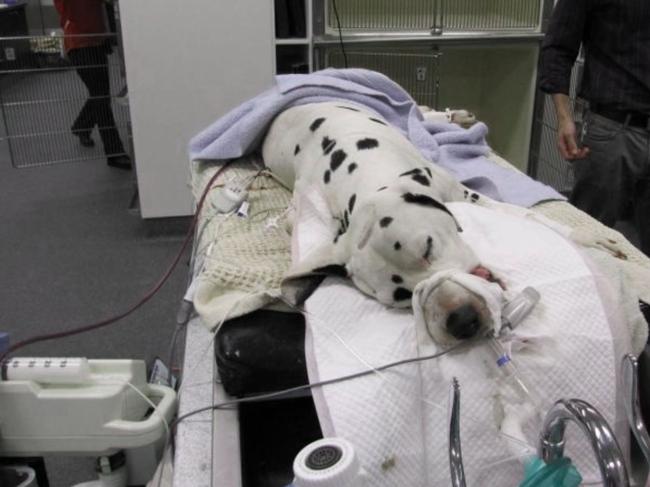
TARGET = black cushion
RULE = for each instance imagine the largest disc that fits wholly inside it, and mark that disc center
(263, 351)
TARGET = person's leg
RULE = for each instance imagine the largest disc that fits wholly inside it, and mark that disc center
(97, 80)
(642, 213)
(639, 141)
(85, 121)
(601, 178)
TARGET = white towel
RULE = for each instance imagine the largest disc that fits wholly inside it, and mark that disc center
(398, 420)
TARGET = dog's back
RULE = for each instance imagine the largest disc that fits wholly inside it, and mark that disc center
(345, 150)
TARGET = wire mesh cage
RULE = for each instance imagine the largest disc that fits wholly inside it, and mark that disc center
(439, 16)
(382, 15)
(48, 101)
(490, 15)
(416, 70)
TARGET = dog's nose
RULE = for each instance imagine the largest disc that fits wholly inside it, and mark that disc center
(463, 322)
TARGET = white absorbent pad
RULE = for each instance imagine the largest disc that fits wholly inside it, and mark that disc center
(570, 346)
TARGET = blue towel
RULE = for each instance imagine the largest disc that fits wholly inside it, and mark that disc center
(461, 151)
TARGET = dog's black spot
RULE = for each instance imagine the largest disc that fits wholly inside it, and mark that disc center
(348, 108)
(475, 197)
(316, 123)
(352, 167)
(428, 172)
(424, 200)
(326, 176)
(367, 143)
(397, 246)
(351, 202)
(327, 144)
(332, 269)
(339, 233)
(346, 219)
(397, 279)
(382, 188)
(427, 252)
(420, 178)
(337, 158)
(384, 222)
(466, 193)
(412, 171)
(296, 150)
(376, 120)
(401, 294)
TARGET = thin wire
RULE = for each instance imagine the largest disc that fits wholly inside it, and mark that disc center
(293, 390)
(215, 330)
(167, 448)
(150, 294)
(153, 406)
(505, 460)
(443, 409)
(171, 353)
(338, 23)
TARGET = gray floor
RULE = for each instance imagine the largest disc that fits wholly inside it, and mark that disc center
(71, 253)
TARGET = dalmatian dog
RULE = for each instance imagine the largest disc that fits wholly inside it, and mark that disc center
(390, 228)
(393, 234)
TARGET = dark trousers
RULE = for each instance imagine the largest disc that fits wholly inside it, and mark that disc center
(616, 172)
(91, 64)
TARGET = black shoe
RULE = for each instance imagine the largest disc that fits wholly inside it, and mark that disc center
(120, 162)
(85, 139)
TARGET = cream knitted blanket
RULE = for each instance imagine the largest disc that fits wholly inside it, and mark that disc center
(239, 261)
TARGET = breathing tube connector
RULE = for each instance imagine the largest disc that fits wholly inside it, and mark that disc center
(513, 313)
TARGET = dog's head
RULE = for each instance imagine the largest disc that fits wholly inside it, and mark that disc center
(393, 240)
(398, 237)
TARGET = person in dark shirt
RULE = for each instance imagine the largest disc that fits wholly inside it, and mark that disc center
(89, 54)
(611, 157)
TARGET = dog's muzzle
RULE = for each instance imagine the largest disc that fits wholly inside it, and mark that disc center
(463, 322)
(454, 305)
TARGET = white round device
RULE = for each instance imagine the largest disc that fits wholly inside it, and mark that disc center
(330, 462)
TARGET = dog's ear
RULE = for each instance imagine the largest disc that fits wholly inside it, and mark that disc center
(304, 277)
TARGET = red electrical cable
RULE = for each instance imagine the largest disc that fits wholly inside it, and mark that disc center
(150, 294)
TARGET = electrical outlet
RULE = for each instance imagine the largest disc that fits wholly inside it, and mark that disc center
(421, 73)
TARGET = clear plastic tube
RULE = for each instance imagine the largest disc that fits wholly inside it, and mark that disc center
(510, 373)
(512, 315)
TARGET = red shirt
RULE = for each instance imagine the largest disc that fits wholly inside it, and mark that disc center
(82, 17)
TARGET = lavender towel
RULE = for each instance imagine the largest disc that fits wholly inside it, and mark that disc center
(460, 151)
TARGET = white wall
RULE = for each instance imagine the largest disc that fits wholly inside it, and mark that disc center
(187, 64)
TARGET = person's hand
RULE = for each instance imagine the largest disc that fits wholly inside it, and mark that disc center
(567, 141)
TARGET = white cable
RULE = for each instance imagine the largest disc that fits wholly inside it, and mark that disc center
(190, 373)
(153, 406)
(504, 460)
(425, 401)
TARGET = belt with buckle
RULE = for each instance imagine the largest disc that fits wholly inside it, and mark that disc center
(633, 119)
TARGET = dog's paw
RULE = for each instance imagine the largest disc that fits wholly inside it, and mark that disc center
(588, 239)
(463, 118)
(471, 196)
